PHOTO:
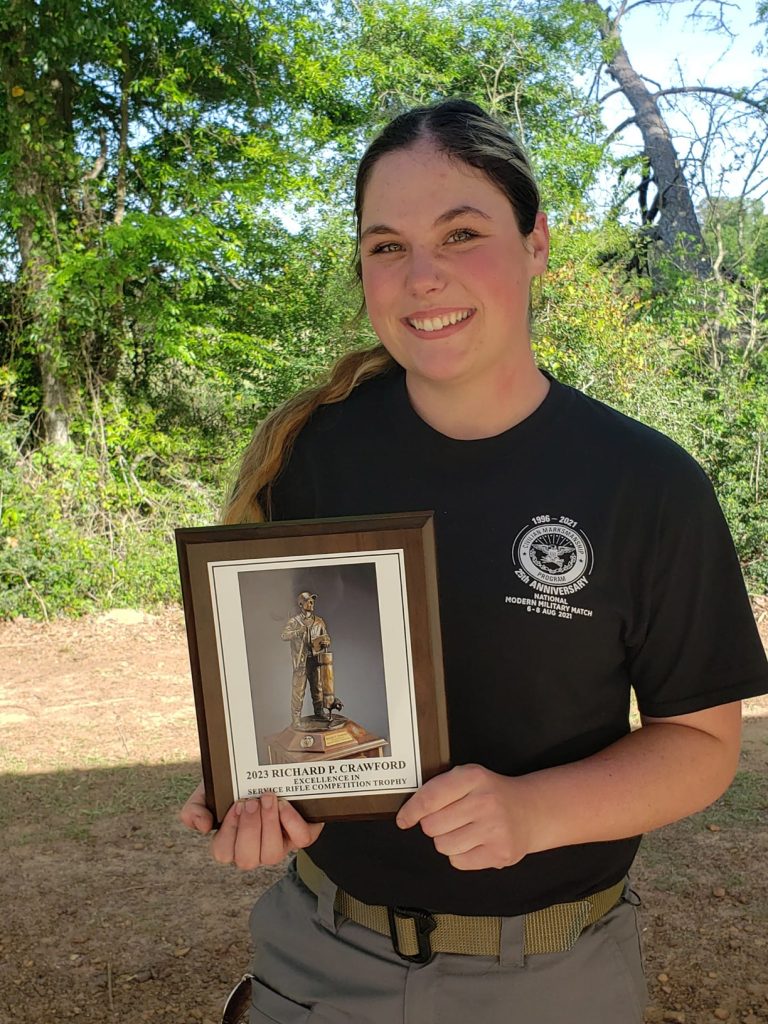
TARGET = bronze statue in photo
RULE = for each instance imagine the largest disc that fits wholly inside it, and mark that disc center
(313, 665)
(323, 734)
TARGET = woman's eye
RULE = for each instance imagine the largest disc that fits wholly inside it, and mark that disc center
(462, 235)
(385, 247)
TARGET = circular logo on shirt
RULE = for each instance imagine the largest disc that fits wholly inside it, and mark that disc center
(553, 553)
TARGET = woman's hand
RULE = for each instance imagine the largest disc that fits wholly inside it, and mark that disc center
(261, 830)
(476, 818)
(194, 814)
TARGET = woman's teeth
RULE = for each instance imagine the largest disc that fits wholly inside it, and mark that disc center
(436, 323)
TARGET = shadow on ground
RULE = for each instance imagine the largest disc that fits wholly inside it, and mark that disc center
(114, 912)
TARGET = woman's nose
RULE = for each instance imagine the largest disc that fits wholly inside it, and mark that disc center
(424, 271)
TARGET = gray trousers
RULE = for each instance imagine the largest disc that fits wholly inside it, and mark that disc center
(311, 965)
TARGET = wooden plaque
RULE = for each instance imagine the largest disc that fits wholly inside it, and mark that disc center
(316, 661)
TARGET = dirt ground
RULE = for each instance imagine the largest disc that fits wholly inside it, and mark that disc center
(112, 912)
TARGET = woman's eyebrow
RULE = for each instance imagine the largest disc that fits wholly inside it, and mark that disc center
(460, 211)
(378, 229)
(444, 218)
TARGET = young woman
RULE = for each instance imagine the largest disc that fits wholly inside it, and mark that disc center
(579, 553)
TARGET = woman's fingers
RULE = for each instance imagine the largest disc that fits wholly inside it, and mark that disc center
(459, 841)
(300, 833)
(223, 843)
(448, 819)
(194, 814)
(273, 845)
(261, 831)
(250, 836)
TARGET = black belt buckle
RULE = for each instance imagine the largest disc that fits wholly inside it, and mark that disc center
(423, 922)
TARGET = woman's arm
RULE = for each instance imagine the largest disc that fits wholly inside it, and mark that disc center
(666, 770)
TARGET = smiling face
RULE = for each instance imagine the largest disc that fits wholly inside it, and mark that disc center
(446, 272)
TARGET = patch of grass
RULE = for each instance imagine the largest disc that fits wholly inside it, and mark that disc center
(664, 872)
(78, 833)
(634, 713)
(743, 806)
(733, 881)
(11, 763)
(66, 804)
(744, 803)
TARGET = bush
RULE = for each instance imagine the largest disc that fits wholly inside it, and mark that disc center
(81, 534)
(91, 527)
(651, 357)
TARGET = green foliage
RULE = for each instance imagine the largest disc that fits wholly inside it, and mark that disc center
(587, 328)
(519, 63)
(723, 371)
(90, 526)
(679, 361)
(289, 317)
(152, 297)
(78, 533)
(139, 140)
(736, 231)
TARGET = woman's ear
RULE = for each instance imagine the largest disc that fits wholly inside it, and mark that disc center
(538, 244)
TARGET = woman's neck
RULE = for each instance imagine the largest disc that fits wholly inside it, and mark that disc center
(468, 411)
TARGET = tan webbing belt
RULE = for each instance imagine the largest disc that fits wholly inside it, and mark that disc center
(551, 930)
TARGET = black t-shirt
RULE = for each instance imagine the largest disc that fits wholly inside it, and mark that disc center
(579, 553)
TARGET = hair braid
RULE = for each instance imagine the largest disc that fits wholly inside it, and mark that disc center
(250, 500)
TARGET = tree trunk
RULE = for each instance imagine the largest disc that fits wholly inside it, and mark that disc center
(677, 227)
(38, 208)
(55, 387)
(56, 400)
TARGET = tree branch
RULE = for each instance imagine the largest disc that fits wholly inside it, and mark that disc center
(122, 149)
(608, 95)
(697, 13)
(731, 94)
(620, 128)
(101, 160)
(720, 23)
(647, 3)
(615, 92)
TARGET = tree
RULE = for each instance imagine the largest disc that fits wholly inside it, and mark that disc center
(138, 136)
(148, 144)
(670, 217)
(736, 229)
(520, 63)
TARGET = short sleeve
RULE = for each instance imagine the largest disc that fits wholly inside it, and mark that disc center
(697, 645)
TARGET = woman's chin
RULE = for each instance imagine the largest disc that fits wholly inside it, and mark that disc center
(437, 367)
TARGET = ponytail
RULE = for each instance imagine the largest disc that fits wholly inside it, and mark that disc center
(268, 452)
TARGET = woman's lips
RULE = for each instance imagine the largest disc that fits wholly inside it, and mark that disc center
(429, 321)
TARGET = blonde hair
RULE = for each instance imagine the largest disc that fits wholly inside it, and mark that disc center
(266, 455)
(461, 130)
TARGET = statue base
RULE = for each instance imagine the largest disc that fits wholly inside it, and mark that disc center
(323, 740)
(313, 723)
